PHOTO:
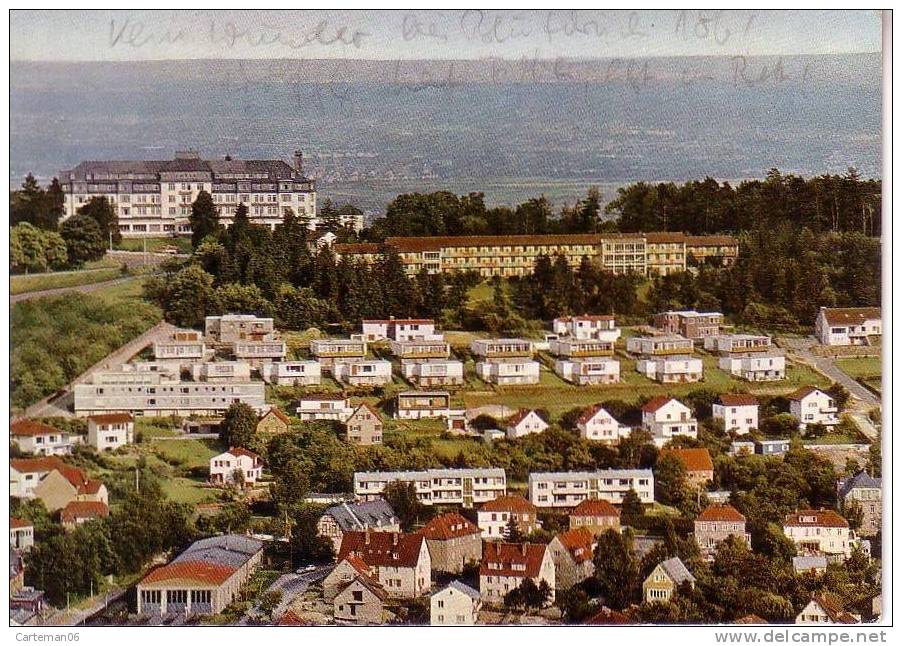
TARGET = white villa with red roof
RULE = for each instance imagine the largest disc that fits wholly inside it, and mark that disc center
(820, 531)
(52, 481)
(739, 412)
(597, 424)
(493, 517)
(812, 405)
(506, 565)
(524, 422)
(666, 418)
(39, 438)
(848, 325)
(223, 467)
(108, 432)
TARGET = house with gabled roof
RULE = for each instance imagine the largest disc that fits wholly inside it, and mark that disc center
(274, 421)
(453, 542)
(360, 602)
(81, 511)
(495, 515)
(820, 531)
(811, 405)
(110, 431)
(826, 609)
(666, 418)
(816, 564)
(345, 571)
(698, 463)
(597, 424)
(595, 515)
(524, 422)
(572, 552)
(399, 562)
(865, 491)
(664, 581)
(35, 437)
(21, 534)
(739, 412)
(506, 565)
(226, 467)
(356, 517)
(848, 325)
(457, 604)
(715, 524)
(364, 426)
(53, 482)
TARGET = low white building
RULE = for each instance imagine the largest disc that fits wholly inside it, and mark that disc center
(35, 437)
(436, 486)
(421, 349)
(567, 489)
(738, 412)
(598, 425)
(755, 366)
(292, 373)
(258, 352)
(587, 327)
(111, 431)
(221, 371)
(812, 405)
(651, 346)
(21, 534)
(501, 348)
(675, 369)
(226, 467)
(506, 372)
(457, 604)
(824, 610)
(666, 418)
(737, 343)
(400, 329)
(424, 404)
(848, 325)
(367, 372)
(434, 372)
(494, 517)
(589, 372)
(323, 406)
(524, 422)
(181, 345)
(567, 348)
(330, 351)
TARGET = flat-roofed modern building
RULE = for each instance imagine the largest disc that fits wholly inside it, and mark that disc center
(755, 366)
(501, 348)
(671, 369)
(587, 326)
(509, 372)
(464, 487)
(334, 406)
(433, 372)
(423, 404)
(153, 198)
(567, 489)
(221, 371)
(400, 330)
(659, 345)
(741, 343)
(330, 351)
(368, 372)
(229, 328)
(689, 323)
(292, 373)
(259, 352)
(589, 372)
(572, 348)
(421, 349)
(181, 345)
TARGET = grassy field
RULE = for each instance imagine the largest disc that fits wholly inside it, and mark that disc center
(39, 282)
(861, 367)
(183, 244)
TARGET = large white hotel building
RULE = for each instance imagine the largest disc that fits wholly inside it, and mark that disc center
(154, 198)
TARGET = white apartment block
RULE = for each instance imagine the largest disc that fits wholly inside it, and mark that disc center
(738, 412)
(436, 486)
(153, 198)
(673, 369)
(368, 372)
(230, 328)
(730, 343)
(598, 425)
(847, 325)
(109, 432)
(505, 372)
(501, 348)
(420, 349)
(330, 351)
(221, 371)
(567, 348)
(569, 488)
(258, 352)
(587, 372)
(811, 405)
(666, 418)
(755, 366)
(650, 346)
(603, 328)
(292, 373)
(324, 407)
(433, 372)
(182, 345)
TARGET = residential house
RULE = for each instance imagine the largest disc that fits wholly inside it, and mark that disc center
(742, 447)
(399, 562)
(221, 371)
(608, 617)
(566, 489)
(453, 542)
(423, 404)
(229, 328)
(816, 564)
(772, 448)
(464, 487)
(328, 351)
(108, 432)
(572, 554)
(399, 329)
(360, 602)
(21, 534)
(495, 515)
(181, 346)
(572, 348)
(524, 422)
(597, 516)
(598, 425)
(259, 353)
(715, 524)
(506, 565)
(420, 349)
(826, 609)
(848, 325)
(202, 580)
(37, 438)
(727, 344)
(508, 372)
(588, 372)
(665, 580)
(433, 372)
(587, 327)
(457, 604)
(659, 346)
(866, 491)
(698, 463)
(53, 482)
(236, 466)
(755, 366)
(812, 405)
(738, 412)
(666, 418)
(81, 511)
(689, 323)
(360, 516)
(334, 406)
(672, 369)
(490, 349)
(273, 421)
(345, 571)
(363, 372)
(820, 531)
(364, 426)
(292, 373)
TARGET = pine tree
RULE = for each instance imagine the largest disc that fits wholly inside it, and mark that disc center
(204, 218)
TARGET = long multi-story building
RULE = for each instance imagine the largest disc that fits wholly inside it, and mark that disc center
(515, 255)
(153, 198)
(436, 486)
(569, 488)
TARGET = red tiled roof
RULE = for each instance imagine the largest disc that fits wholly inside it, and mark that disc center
(112, 418)
(448, 526)
(357, 563)
(18, 523)
(751, 619)
(323, 397)
(238, 451)
(290, 618)
(720, 513)
(850, 315)
(608, 617)
(36, 465)
(802, 392)
(665, 236)
(357, 247)
(737, 399)
(382, 548)
(519, 416)
(578, 542)
(277, 412)
(199, 571)
(369, 407)
(517, 504)
(586, 416)
(692, 459)
(90, 487)
(653, 404)
(436, 243)
(819, 518)
(511, 559)
(705, 241)
(595, 508)
(30, 428)
(78, 509)
(834, 609)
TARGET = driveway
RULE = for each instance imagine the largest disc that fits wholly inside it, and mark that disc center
(83, 289)
(801, 348)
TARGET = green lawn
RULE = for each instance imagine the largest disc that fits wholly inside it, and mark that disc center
(185, 453)
(38, 282)
(861, 367)
(187, 491)
(183, 244)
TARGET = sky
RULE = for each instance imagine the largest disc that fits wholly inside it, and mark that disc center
(455, 34)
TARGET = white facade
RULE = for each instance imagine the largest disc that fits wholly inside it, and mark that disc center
(588, 372)
(330, 351)
(815, 532)
(221, 371)
(259, 351)
(659, 345)
(223, 467)
(739, 419)
(671, 369)
(47, 441)
(816, 407)
(847, 326)
(433, 372)
(506, 372)
(601, 426)
(587, 327)
(181, 347)
(454, 605)
(109, 432)
(526, 424)
(437, 486)
(755, 366)
(369, 372)
(730, 343)
(568, 489)
(501, 348)
(568, 348)
(421, 349)
(292, 373)
(315, 407)
(669, 420)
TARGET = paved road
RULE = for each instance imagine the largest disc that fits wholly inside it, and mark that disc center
(83, 289)
(801, 348)
(76, 617)
(290, 585)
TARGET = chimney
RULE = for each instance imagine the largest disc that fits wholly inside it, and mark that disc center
(299, 162)
(394, 538)
(366, 540)
(523, 548)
